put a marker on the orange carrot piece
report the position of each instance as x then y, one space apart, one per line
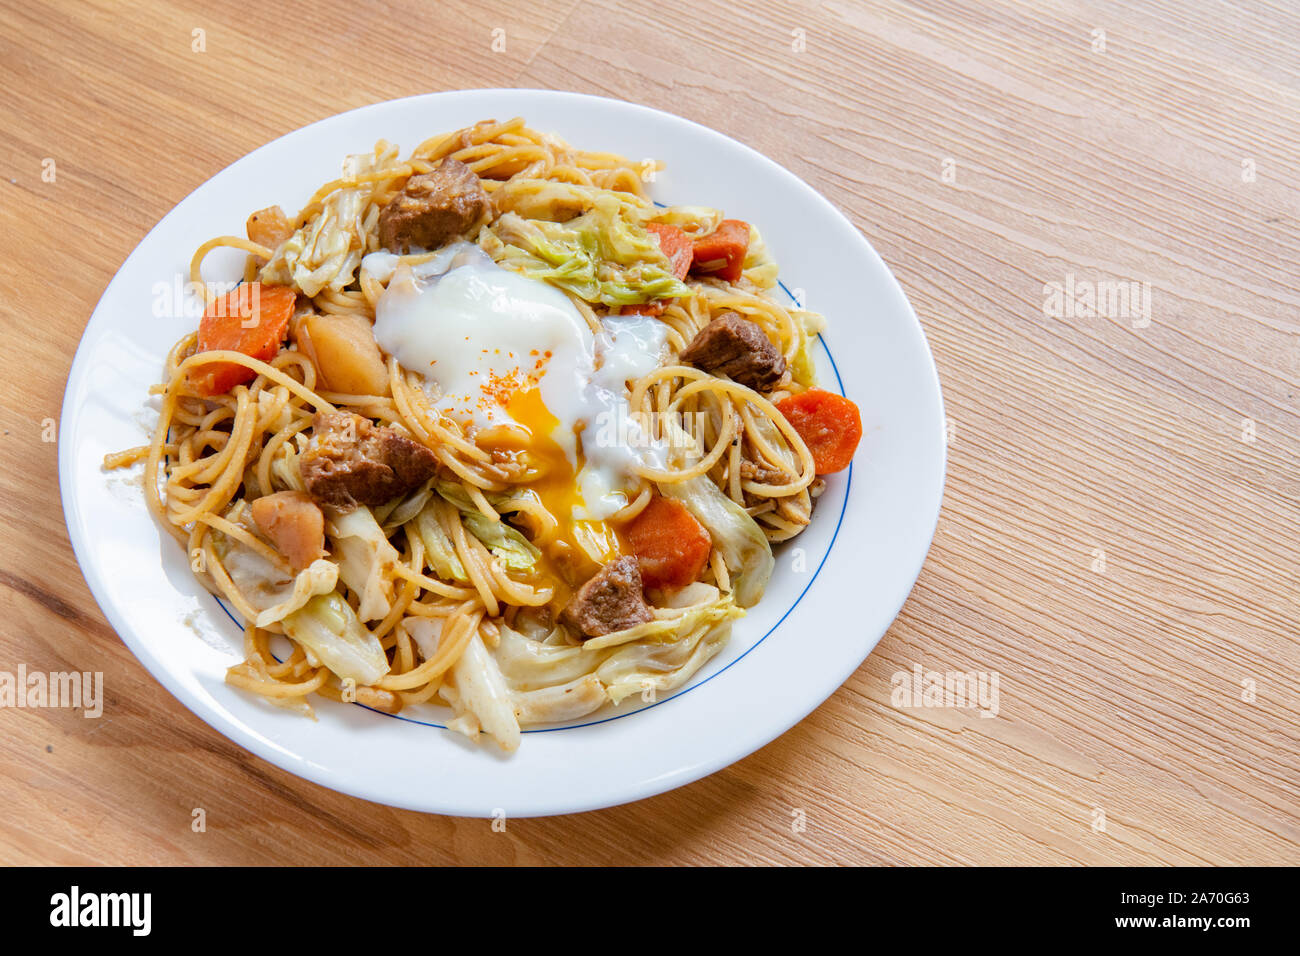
829 424
722 252
670 545
676 245
252 319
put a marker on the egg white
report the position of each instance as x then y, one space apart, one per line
484 337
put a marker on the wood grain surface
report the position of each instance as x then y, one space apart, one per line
1119 536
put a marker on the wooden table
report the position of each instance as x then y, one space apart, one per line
1119 536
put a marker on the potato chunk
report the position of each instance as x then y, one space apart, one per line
269 227
343 349
295 525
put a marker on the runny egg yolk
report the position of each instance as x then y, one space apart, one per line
555 483
515 363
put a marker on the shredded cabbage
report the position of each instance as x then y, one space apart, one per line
551 680
426 632
262 582
329 628
759 267
319 577
439 551
507 544
605 256
454 493
692 220
802 369
543 199
476 689
637 668
399 512
367 561
530 665
326 250
548 705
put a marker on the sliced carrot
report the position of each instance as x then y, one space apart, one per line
252 319
676 245
670 545
722 252
829 424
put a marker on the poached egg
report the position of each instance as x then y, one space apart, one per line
515 363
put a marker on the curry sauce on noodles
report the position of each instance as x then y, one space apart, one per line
498 585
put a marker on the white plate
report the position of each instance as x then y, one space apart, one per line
836 588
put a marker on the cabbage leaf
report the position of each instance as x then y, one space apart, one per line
605 256
367 561
507 543
328 627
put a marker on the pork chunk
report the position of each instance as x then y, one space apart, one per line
610 601
352 461
734 346
434 207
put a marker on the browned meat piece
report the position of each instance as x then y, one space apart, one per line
435 206
352 461
734 346
610 601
